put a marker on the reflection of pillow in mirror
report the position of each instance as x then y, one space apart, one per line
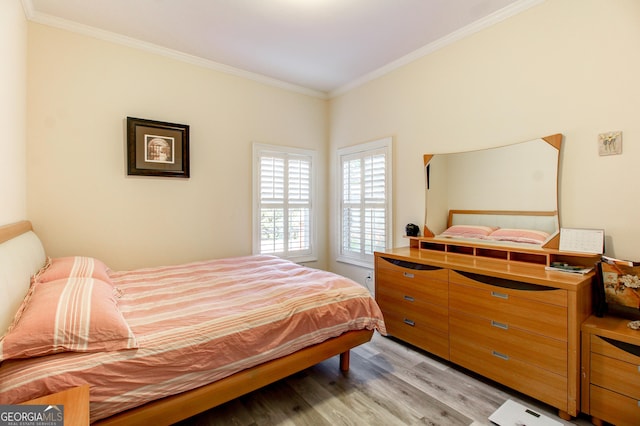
519 236
468 231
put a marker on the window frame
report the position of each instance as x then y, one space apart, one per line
363 150
260 150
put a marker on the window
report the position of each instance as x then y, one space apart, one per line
365 201
283 202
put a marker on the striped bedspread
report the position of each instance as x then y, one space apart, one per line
198 323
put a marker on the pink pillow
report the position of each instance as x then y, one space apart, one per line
68 315
519 235
72 266
468 231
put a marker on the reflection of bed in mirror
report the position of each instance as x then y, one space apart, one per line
537 228
509 187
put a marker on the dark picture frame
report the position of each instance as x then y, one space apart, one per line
157 148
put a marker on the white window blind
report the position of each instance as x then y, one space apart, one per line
283 201
365 201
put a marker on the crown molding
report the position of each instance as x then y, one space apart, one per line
89 31
447 40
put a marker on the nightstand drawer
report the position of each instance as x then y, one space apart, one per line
607 347
618 376
614 408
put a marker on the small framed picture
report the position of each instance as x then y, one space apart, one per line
610 143
157 148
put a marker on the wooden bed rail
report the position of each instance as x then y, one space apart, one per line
172 409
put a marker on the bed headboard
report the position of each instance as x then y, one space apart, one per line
21 256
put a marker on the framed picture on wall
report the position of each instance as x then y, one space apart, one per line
157 148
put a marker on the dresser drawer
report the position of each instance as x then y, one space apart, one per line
415 311
531 292
419 329
530 348
425 284
534 381
613 407
511 307
418 290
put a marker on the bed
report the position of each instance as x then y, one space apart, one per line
158 345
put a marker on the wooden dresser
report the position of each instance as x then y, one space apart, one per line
509 320
611 371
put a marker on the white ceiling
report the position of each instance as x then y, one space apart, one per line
319 46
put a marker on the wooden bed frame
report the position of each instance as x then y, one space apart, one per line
184 405
179 407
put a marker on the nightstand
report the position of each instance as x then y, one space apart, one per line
611 371
75 402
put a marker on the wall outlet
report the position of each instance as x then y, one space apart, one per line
368 281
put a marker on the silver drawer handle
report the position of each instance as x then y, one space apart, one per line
409 298
499 295
409 322
499 325
408 274
499 355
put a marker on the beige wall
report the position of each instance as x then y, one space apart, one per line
13 89
80 90
565 66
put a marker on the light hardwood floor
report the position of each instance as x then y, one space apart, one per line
389 383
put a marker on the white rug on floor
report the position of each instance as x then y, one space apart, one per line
512 413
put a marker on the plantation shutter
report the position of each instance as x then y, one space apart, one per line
285 203
364 204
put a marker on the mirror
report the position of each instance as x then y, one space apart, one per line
517 177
